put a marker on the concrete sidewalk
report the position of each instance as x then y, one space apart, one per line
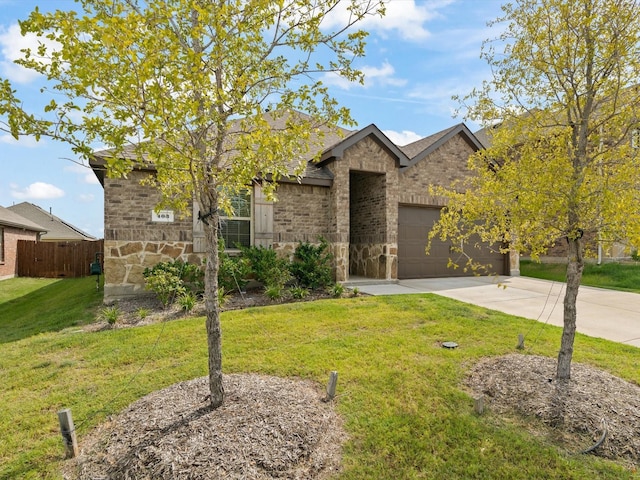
601 313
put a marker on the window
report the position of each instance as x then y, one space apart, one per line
236 230
1 244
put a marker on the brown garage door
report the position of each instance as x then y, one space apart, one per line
414 224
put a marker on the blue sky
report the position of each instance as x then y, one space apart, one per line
418 56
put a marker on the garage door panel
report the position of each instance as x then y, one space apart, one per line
414 224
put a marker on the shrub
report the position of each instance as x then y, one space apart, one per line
274 292
232 271
267 267
223 296
312 265
110 314
142 313
187 301
299 292
336 290
634 255
169 280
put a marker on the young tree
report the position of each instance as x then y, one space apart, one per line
185 85
561 113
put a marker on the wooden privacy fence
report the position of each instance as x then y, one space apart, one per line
57 259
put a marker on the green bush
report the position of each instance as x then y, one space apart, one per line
110 314
311 266
187 301
336 290
169 280
232 271
267 267
299 292
274 292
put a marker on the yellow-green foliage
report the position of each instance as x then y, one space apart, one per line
560 110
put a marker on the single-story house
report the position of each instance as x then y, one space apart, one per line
58 230
366 196
14 227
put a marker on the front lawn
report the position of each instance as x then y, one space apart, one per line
400 392
29 306
615 276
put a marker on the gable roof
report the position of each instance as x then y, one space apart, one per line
422 148
12 219
337 150
56 228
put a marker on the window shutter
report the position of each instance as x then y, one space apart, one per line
263 218
198 230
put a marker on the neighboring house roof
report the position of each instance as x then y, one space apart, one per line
12 219
56 228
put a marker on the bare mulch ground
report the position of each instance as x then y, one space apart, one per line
274 428
575 415
267 428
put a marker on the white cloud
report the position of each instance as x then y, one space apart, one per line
36 191
24 141
85 173
12 42
373 76
86 197
402 138
404 18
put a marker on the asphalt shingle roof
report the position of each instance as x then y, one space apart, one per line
12 219
56 228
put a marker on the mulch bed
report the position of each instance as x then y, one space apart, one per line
267 428
576 414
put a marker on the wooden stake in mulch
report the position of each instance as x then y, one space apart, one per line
478 404
68 432
331 387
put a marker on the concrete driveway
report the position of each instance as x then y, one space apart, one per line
601 313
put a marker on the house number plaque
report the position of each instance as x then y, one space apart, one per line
165 216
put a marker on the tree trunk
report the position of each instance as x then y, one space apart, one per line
575 266
214 331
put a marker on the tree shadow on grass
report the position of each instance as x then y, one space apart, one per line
54 307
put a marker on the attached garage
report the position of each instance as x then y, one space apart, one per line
414 224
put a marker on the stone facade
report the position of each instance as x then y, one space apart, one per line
133 240
125 262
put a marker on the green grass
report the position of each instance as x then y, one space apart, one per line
400 393
615 276
30 305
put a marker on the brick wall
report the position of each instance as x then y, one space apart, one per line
444 166
127 214
133 241
378 245
8 268
301 213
